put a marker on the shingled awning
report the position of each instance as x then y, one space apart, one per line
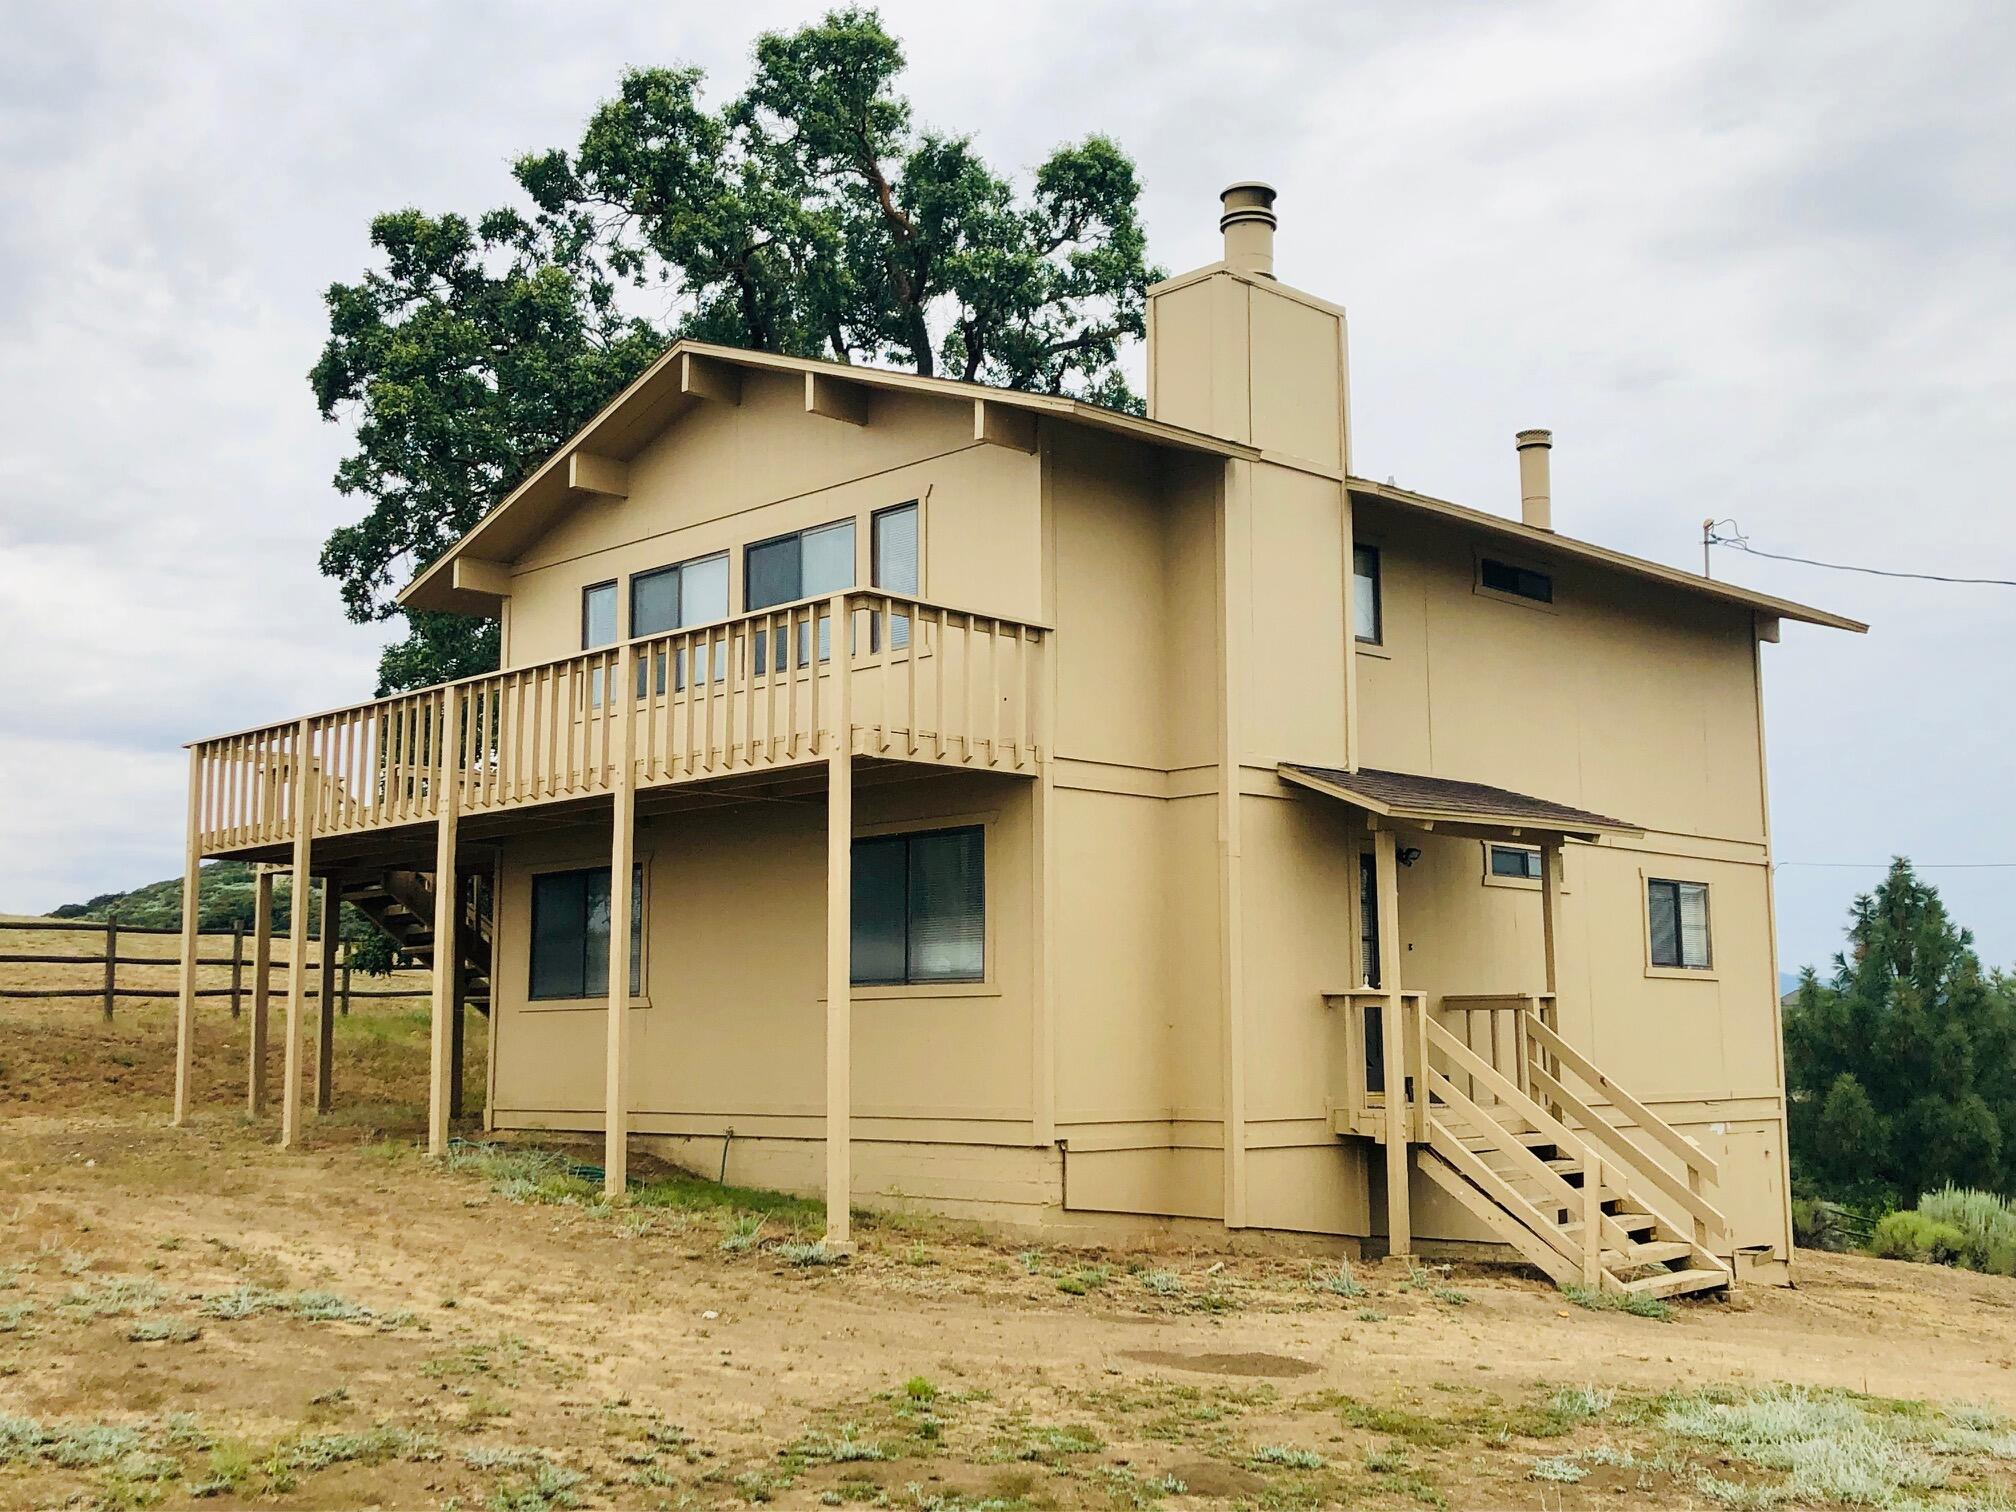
1432 800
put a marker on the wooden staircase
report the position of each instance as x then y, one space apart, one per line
1570 1170
401 903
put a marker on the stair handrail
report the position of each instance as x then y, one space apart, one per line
1691 1155
1704 1222
1570 1143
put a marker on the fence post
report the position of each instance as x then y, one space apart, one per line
237 962
111 962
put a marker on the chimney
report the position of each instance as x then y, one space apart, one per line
1536 505
1248 224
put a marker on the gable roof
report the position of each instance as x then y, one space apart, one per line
691 372
1427 800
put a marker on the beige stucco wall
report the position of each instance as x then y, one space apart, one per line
1165 915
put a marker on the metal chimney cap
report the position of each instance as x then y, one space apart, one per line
1528 438
1247 200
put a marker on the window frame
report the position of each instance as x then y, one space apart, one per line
1681 972
640 996
899 631
1378 636
682 677
1517 565
749 548
614 585
1529 881
987 983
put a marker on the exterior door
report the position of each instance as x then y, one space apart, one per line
1368 956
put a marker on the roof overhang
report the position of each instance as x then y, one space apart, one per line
1448 806
472 576
1547 542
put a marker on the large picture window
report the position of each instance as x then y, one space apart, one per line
802 565
920 908
570 933
1678 921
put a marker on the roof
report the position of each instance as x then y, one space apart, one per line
1429 800
688 374
1547 542
671 386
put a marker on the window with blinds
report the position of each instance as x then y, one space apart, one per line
920 908
802 565
893 534
672 598
1678 924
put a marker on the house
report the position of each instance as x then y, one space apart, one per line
1102 825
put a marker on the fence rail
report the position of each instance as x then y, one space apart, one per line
108 990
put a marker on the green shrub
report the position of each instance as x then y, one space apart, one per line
1910 1235
1986 1222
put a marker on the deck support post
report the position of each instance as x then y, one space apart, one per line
840 938
1394 1035
449 808
262 992
185 1008
1550 942
297 937
622 860
458 1017
325 1002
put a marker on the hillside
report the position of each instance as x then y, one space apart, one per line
226 895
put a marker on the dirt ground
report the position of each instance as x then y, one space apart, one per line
194 1316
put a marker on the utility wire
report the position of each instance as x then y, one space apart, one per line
1737 541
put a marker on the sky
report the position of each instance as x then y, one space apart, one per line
1749 262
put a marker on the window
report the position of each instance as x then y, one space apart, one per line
920 908
671 598
570 933
1515 861
598 615
802 565
1679 923
1520 582
1368 623
893 539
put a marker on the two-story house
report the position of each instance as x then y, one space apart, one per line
1088 823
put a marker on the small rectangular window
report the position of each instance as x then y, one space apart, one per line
920 908
893 541
1678 924
598 615
570 933
1515 861
1367 614
1521 582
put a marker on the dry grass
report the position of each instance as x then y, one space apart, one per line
195 1317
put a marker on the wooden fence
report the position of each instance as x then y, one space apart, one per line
109 989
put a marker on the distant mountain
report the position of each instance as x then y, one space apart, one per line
1788 982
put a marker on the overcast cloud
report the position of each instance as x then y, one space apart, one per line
1747 261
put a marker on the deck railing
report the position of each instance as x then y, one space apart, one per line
926 682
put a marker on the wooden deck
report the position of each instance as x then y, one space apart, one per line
750 701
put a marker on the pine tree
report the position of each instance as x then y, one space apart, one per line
1902 1070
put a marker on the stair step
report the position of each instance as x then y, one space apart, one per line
1631 1223
1659 1251
1677 1283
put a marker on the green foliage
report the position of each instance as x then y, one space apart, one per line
1952 1226
809 215
1902 1070
227 895
1638 1304
1912 1236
